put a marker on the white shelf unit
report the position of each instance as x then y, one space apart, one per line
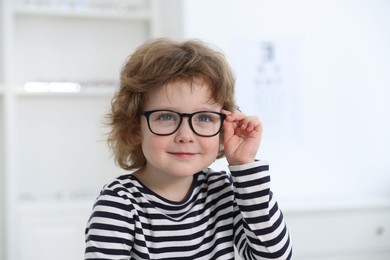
354 229
53 148
2 179
85 13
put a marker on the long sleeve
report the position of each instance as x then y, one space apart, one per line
110 231
260 229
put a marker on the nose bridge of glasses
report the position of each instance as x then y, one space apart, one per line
182 116
185 115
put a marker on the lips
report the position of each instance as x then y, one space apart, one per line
182 154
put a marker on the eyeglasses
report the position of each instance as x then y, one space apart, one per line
202 123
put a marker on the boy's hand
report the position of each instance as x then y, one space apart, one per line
242 137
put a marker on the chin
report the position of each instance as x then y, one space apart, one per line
183 171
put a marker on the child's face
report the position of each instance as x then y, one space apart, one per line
182 153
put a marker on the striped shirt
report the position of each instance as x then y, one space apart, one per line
222 210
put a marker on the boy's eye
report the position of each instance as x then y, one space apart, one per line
204 118
166 116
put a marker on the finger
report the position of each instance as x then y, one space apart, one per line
228 115
250 123
226 112
228 129
238 116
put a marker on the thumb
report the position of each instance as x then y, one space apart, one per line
228 131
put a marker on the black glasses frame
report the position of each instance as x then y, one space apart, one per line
181 115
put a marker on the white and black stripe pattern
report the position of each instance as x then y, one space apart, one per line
129 221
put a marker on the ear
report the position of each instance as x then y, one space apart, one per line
137 139
135 135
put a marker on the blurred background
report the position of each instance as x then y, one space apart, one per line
316 72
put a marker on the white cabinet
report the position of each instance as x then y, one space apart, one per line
347 233
66 155
51 231
341 230
2 179
53 149
52 44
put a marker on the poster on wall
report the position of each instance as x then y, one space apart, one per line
268 85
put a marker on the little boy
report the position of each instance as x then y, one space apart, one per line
173 115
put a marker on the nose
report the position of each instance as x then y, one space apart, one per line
184 134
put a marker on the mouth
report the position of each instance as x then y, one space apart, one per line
183 155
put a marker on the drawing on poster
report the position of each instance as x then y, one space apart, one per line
268 84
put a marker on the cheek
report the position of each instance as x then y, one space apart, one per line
149 141
211 144
149 148
146 138
153 146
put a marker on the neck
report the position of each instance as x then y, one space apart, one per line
174 188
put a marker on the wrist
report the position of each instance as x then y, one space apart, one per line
241 162
255 163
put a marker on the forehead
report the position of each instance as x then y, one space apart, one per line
180 92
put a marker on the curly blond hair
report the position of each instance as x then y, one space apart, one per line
155 64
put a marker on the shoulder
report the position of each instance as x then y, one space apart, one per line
123 189
120 184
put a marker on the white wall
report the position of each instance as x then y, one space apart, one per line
341 143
